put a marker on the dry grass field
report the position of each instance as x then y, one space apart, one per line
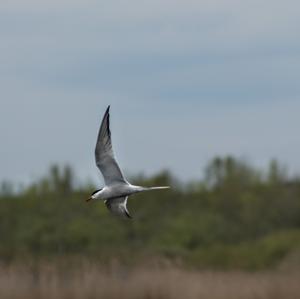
88 280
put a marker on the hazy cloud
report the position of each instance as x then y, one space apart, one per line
220 76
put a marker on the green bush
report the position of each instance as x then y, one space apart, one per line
237 217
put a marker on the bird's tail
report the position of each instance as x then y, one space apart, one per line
157 188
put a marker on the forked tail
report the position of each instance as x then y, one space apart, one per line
157 188
140 189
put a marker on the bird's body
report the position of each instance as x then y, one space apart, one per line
117 189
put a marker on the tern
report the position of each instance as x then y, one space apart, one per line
117 189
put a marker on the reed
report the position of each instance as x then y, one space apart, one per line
45 280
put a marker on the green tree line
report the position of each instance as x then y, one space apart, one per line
236 217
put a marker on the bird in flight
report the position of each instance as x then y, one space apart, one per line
117 189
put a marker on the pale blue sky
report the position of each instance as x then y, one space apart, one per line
186 80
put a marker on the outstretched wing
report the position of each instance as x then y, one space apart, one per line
104 155
117 206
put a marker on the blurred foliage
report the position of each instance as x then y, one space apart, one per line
237 217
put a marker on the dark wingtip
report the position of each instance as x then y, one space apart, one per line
107 110
128 215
